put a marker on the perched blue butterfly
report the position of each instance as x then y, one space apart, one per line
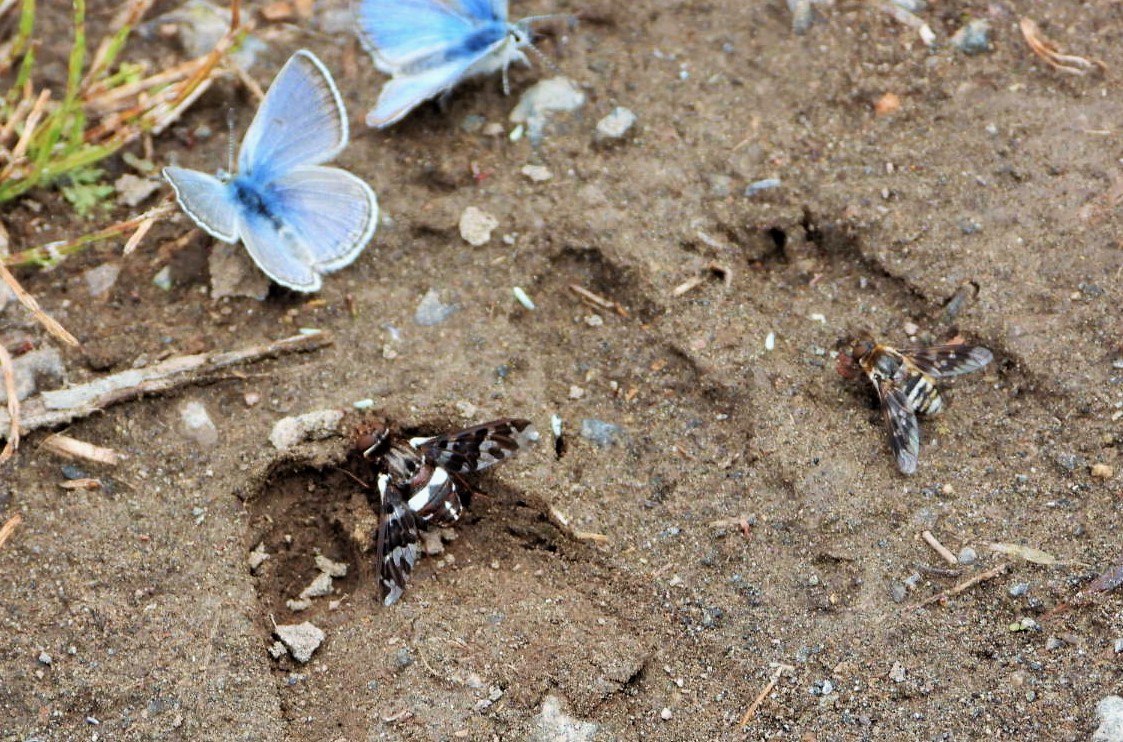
297 218
429 46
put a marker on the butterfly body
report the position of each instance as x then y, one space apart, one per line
430 46
297 217
906 386
422 485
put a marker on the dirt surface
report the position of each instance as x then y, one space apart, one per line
987 206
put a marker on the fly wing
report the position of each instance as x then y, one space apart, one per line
437 501
949 360
477 448
205 199
397 541
302 121
904 431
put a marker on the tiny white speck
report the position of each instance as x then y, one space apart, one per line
523 298
516 133
310 331
770 342
816 317
363 404
556 425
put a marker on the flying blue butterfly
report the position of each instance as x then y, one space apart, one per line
429 46
297 218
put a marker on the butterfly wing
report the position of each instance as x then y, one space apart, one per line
331 212
404 92
278 252
205 199
302 121
397 541
949 360
904 431
477 448
410 34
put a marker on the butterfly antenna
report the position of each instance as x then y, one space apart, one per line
230 139
541 55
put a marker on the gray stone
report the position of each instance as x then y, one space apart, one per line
972 38
35 371
554 725
1110 713
432 311
544 100
602 433
100 280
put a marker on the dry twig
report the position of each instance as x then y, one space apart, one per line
73 448
939 548
981 577
61 406
7 529
32 306
1049 52
598 301
779 671
13 406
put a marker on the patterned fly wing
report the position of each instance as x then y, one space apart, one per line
478 447
397 540
422 487
904 431
949 360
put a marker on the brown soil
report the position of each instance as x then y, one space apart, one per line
998 180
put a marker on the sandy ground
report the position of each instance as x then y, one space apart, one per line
997 181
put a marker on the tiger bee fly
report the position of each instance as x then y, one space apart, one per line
422 485
905 383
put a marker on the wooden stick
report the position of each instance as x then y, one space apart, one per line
13 406
61 406
10 526
939 548
73 448
981 577
764 693
32 306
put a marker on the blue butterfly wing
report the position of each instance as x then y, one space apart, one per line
404 92
302 121
207 200
331 212
403 34
278 252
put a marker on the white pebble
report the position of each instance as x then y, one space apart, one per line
476 226
537 173
666 714
523 298
311 426
615 126
300 639
197 424
770 342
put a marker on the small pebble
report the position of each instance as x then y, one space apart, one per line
967 556
163 278
466 409
1018 589
297 605
1102 471
257 557
1054 642
594 320
403 657
897 674
277 650
972 38
544 100
537 173
472 123
1110 713
431 311
45 659
476 226
363 404
614 127
197 424
603 434
666 714
576 392
132 190
762 185
328 567
318 588
1119 645
311 426
300 639
910 328
251 399
100 280
522 297
770 342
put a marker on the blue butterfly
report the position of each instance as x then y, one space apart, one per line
429 46
297 218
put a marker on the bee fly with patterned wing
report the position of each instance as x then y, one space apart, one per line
905 383
423 486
